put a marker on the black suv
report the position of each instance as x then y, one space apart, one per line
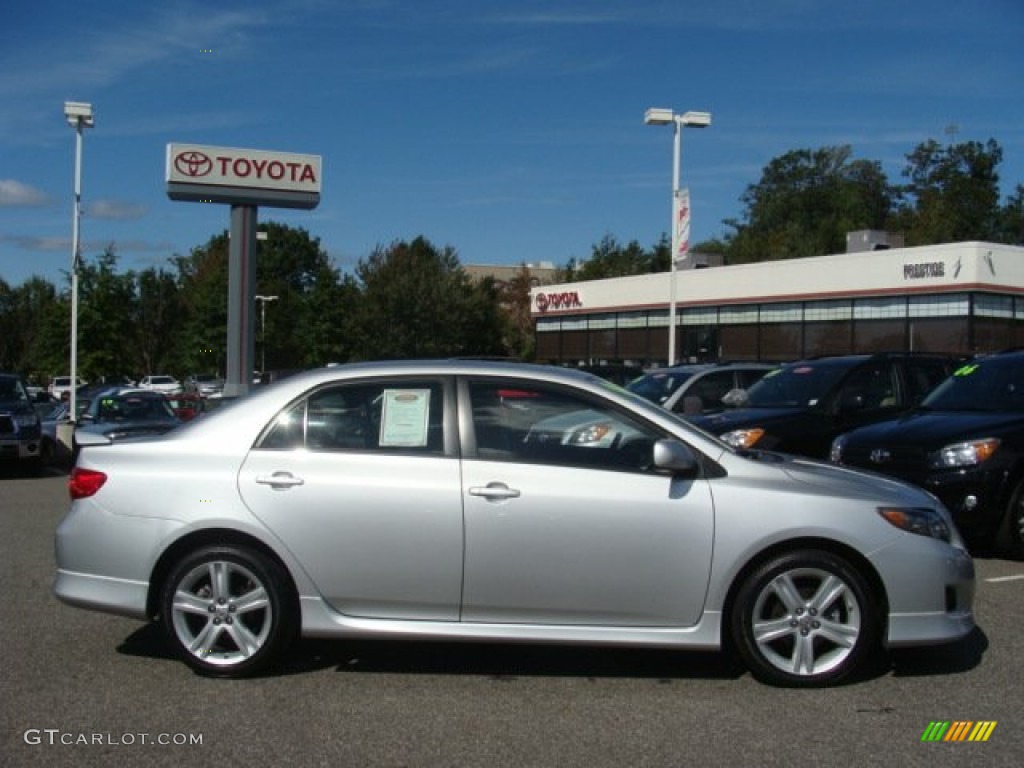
20 430
965 444
801 407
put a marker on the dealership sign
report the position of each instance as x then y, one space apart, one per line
205 174
563 300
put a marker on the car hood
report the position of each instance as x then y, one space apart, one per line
739 418
842 481
929 428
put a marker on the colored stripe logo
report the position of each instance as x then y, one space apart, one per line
958 730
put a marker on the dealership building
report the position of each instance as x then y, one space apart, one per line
958 298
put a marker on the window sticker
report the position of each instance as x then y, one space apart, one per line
966 370
404 418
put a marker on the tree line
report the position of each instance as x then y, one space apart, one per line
405 300
414 299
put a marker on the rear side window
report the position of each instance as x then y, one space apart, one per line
397 416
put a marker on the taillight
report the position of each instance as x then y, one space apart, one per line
83 483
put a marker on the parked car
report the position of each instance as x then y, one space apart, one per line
403 500
802 407
60 386
617 373
186 407
52 451
696 389
204 384
161 383
965 444
19 424
121 413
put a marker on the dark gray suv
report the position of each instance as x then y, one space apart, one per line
801 407
20 430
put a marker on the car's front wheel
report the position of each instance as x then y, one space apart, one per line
804 619
228 611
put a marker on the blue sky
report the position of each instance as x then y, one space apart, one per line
511 131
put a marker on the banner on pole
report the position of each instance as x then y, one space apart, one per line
682 219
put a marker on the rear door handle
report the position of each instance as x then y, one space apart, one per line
494 491
280 481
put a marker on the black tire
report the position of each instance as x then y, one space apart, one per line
805 619
1010 538
228 611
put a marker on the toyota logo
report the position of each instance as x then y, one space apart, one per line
193 164
880 456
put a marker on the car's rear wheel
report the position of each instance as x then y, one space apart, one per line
804 619
228 611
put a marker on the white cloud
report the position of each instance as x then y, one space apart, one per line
115 209
15 193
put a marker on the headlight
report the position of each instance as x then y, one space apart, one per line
835 454
590 435
967 454
26 419
920 520
743 438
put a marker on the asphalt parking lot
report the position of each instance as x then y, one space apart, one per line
84 689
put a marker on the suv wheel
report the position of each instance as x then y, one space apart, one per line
1011 534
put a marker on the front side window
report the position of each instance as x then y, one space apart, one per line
380 416
531 423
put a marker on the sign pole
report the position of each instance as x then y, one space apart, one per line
241 289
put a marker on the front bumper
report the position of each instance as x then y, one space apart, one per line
930 588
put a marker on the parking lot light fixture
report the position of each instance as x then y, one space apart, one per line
662 116
263 327
79 116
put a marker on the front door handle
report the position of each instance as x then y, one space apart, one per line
280 481
494 491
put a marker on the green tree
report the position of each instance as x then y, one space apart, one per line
158 322
609 258
202 279
952 194
805 204
417 301
106 306
1011 219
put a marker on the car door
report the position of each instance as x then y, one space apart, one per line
566 523
361 482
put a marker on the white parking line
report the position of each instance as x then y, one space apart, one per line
1018 577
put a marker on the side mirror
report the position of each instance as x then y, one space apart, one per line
676 457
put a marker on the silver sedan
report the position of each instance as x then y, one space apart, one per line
436 500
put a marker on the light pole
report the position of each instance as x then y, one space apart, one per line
657 116
263 327
79 117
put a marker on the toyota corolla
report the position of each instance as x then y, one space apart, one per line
414 500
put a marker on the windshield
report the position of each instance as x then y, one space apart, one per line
658 386
11 390
800 385
995 384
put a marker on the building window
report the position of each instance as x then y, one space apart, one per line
880 309
952 305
